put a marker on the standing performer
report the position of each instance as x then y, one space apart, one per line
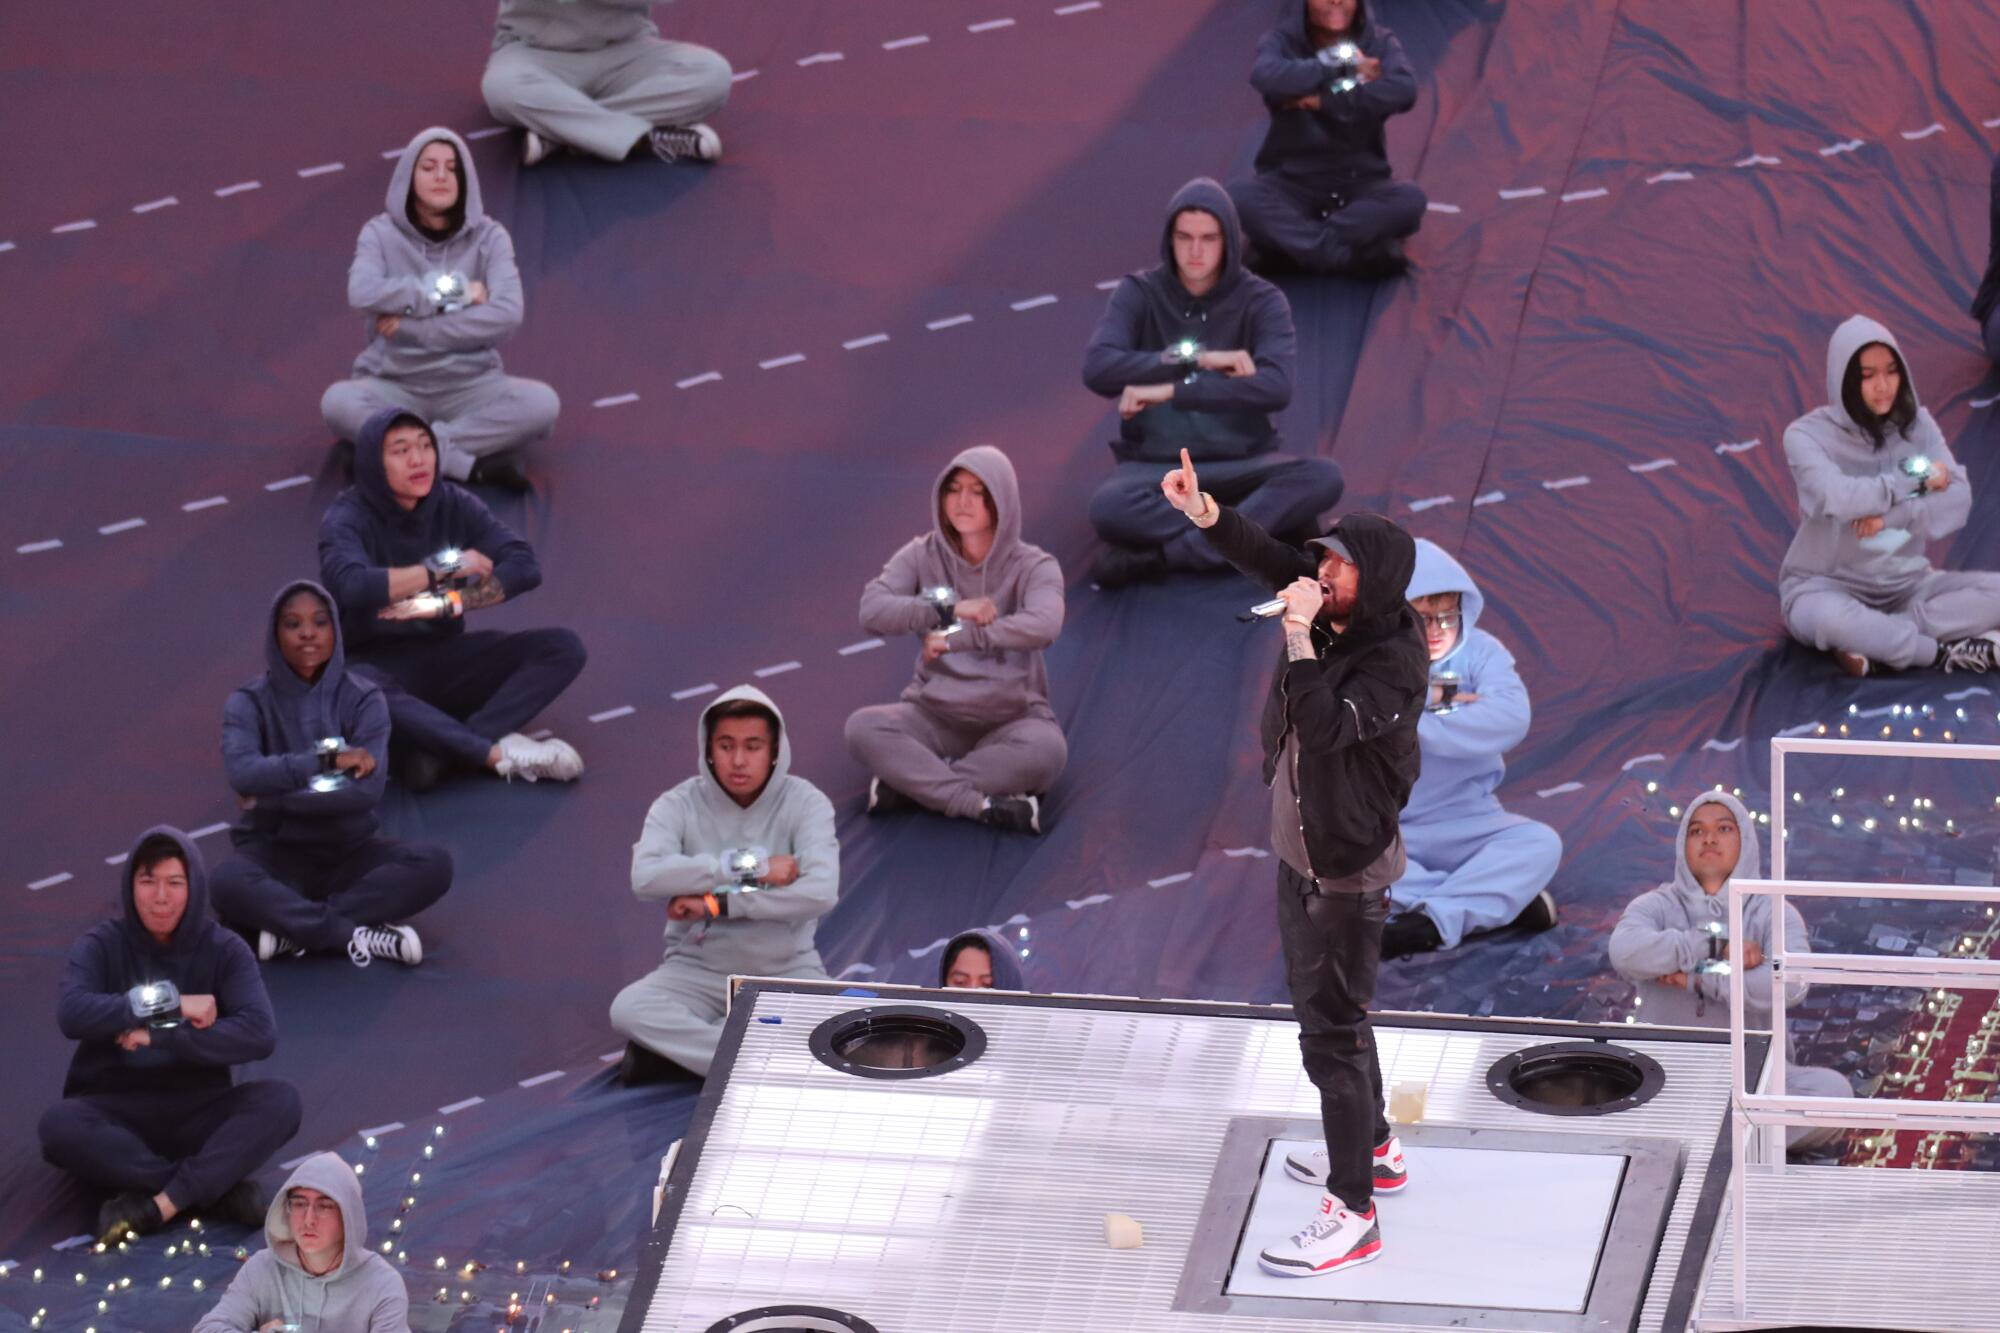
1340 756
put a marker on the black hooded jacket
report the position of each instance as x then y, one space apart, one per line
1989 286
1355 707
202 958
365 534
1213 416
1342 142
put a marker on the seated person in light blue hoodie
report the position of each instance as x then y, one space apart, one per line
311 871
1877 484
595 75
745 858
1670 943
315 1271
436 279
1472 866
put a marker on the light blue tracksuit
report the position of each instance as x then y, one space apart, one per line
1473 866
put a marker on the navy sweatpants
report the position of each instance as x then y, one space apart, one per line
316 896
456 696
1282 493
1325 230
193 1145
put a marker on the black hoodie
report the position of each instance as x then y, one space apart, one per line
202 958
1342 142
1355 707
1212 416
1989 286
365 534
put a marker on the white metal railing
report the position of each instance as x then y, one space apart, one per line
1772 1110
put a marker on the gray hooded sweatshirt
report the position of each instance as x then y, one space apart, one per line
993 673
365 1294
1842 476
765 931
394 269
1665 930
574 25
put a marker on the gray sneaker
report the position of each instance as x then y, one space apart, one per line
695 143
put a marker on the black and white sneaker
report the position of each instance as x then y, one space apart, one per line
398 944
1333 1240
1539 914
1974 654
271 946
1390 1172
1016 814
886 800
696 143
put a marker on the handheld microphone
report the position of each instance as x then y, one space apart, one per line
1264 610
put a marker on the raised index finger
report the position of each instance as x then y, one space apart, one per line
1187 469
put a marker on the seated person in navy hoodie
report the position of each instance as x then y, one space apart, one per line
1199 353
456 699
152 1114
1322 197
310 872
1986 303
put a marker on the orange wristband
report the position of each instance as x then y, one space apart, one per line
714 907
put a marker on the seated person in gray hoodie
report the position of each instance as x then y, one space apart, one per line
974 736
315 1270
1877 483
745 858
1199 352
980 960
311 871
151 1111
1671 943
1322 197
595 76
436 279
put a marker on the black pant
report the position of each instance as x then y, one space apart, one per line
1325 230
1333 946
193 1145
455 696
316 896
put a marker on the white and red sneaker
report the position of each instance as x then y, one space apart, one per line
1391 1175
1334 1240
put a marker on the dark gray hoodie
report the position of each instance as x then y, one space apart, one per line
393 271
269 728
365 1294
1341 142
994 673
1213 416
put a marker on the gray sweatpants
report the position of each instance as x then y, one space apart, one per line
490 415
676 1010
1947 604
952 767
604 102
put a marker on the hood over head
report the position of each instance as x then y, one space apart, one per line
396 201
1749 863
1006 961
314 703
996 474
1385 555
329 1174
194 921
371 478
1856 332
1437 571
1203 193
1295 20
780 766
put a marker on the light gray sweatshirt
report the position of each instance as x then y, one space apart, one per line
993 673
1665 930
1842 476
574 25
365 1294
394 269
766 931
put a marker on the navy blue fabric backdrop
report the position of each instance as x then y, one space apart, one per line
1646 219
